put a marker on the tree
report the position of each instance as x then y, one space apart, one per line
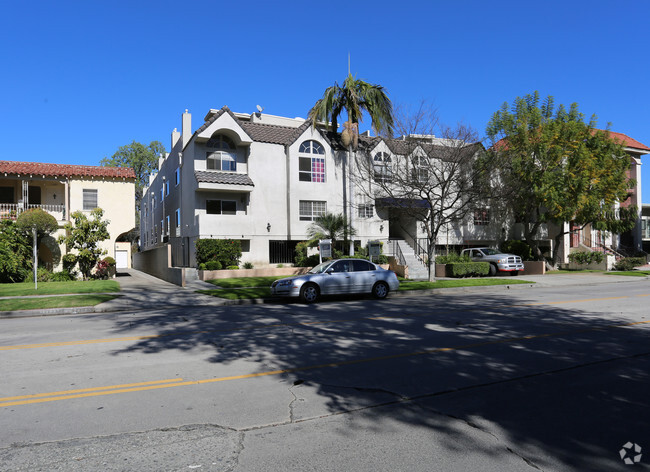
554 168
84 237
44 223
329 226
434 180
354 97
15 260
142 159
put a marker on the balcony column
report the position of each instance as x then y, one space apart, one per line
66 192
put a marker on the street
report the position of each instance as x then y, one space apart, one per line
551 378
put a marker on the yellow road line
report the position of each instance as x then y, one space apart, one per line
143 386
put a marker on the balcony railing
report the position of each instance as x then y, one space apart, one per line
12 210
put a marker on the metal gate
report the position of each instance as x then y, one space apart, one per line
282 252
180 251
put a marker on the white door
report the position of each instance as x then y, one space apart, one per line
122 259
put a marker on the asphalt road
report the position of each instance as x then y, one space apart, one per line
553 379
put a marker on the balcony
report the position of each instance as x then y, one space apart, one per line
10 211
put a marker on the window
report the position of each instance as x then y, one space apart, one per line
382 167
224 158
366 210
311 167
482 217
362 266
153 201
178 217
220 207
167 222
162 192
166 186
89 199
310 210
420 169
177 176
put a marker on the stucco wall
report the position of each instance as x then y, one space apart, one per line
157 262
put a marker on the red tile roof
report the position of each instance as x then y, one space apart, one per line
64 170
626 141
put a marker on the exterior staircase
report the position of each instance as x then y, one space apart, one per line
417 270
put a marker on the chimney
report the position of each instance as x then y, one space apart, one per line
187 128
175 137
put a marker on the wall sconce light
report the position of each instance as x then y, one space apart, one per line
381 228
268 227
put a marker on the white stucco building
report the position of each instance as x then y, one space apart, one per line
261 179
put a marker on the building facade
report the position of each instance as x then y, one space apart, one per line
63 189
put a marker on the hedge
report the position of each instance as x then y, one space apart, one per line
467 269
226 251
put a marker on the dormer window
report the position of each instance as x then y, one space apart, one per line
311 162
382 167
221 154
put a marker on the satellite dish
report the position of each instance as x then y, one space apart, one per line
259 108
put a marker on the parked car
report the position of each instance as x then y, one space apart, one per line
499 262
339 276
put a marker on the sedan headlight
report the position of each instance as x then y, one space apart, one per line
285 282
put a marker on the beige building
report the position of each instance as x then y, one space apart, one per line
63 189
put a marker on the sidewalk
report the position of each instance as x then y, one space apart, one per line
141 291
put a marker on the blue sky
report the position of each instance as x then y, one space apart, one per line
81 78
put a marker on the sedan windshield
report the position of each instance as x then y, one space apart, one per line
320 268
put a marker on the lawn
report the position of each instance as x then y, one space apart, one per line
58 288
632 273
35 303
242 288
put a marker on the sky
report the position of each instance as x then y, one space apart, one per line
82 78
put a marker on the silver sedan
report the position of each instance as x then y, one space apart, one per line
339 276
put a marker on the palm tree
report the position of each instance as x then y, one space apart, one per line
354 97
328 226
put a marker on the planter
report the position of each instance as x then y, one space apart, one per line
534 268
267 272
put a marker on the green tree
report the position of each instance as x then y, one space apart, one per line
15 254
84 237
329 226
142 159
44 223
354 98
553 168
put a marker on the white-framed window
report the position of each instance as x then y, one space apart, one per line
366 210
89 199
220 207
420 168
311 162
482 217
310 210
221 155
382 167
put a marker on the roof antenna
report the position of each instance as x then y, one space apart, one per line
259 110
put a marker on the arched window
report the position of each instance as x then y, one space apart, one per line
221 154
382 166
311 162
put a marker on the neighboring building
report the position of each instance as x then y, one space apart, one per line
261 179
63 189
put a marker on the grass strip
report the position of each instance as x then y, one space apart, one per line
59 288
244 282
239 293
631 273
14 304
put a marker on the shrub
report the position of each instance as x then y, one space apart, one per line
102 270
232 267
212 265
226 251
451 258
110 261
202 266
583 257
629 263
43 275
518 248
69 261
467 269
62 276
248 265
280 266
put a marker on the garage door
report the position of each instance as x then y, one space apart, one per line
122 259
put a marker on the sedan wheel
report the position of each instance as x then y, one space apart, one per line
309 293
380 290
